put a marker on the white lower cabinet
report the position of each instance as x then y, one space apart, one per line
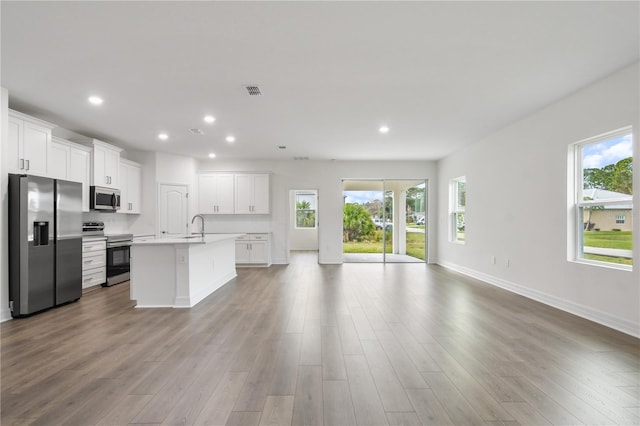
94 261
253 249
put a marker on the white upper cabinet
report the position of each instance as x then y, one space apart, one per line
28 144
130 176
215 193
106 165
70 161
80 171
58 159
233 193
252 193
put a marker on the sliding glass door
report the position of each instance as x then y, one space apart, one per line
384 221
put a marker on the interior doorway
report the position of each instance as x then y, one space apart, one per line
385 221
303 226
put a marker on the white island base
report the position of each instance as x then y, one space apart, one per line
180 272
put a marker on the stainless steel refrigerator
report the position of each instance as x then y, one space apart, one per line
45 243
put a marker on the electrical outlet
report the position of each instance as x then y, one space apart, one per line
182 259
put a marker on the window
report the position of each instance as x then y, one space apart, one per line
306 210
603 199
458 201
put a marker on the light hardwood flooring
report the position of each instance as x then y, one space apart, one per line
305 344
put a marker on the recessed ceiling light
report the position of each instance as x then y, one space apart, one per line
209 119
95 100
230 139
384 129
163 136
212 155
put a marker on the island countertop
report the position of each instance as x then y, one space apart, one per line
191 239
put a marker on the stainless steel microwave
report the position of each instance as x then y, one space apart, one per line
104 199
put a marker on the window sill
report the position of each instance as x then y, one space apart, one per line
608 265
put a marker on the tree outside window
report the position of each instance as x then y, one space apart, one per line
306 210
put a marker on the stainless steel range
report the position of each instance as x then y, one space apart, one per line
118 258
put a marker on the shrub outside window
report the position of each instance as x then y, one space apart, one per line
603 199
458 204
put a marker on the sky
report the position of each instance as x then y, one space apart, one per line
361 197
606 152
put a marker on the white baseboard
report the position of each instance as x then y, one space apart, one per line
606 319
5 314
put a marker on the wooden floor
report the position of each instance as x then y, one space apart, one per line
357 344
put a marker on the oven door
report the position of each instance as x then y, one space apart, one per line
118 262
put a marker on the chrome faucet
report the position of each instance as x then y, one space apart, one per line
202 223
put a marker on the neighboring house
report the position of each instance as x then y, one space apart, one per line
607 218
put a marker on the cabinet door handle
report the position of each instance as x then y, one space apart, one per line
22 164
27 161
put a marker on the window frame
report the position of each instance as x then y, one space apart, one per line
578 204
456 209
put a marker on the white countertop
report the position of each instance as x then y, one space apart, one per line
193 239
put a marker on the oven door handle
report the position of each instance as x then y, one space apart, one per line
120 244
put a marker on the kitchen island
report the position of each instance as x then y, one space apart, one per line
180 272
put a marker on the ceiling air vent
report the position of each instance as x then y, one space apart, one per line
300 158
253 90
196 131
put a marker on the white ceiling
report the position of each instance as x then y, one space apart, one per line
441 75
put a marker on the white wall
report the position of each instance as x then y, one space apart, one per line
5 313
326 176
517 206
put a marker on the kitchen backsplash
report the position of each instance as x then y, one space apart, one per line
113 223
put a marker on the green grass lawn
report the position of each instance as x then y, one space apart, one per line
608 239
415 246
